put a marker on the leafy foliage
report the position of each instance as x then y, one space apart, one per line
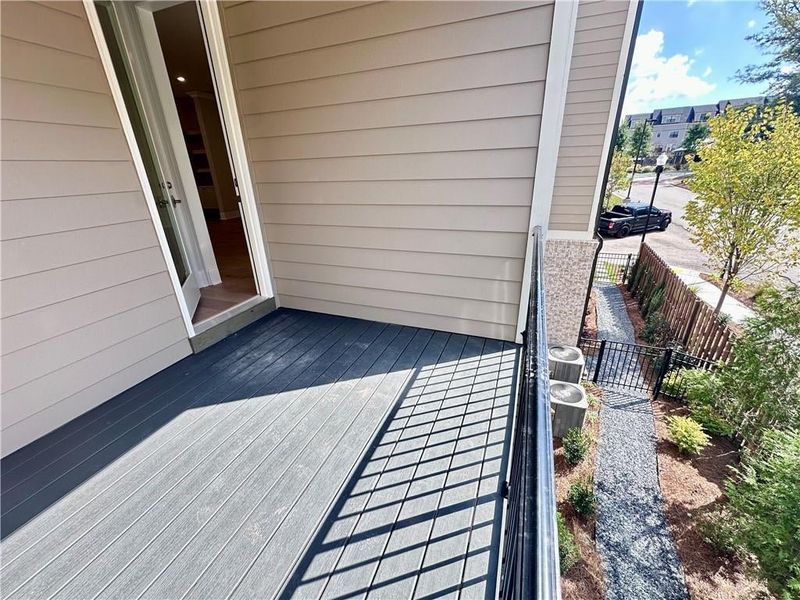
639 144
623 139
764 509
617 177
694 136
703 390
687 434
746 216
576 445
581 496
759 389
656 330
568 553
654 303
778 39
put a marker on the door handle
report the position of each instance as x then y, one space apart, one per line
168 188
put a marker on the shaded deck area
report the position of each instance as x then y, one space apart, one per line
307 456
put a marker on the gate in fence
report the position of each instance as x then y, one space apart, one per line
638 367
614 268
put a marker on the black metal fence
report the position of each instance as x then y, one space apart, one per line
614 268
529 568
639 367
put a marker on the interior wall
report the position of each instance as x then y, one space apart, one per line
393 146
88 309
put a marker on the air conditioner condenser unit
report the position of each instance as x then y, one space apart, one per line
569 404
566 363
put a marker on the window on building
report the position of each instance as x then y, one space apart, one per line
671 119
673 134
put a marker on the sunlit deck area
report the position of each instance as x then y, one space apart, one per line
306 456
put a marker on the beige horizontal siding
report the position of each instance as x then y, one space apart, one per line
595 61
87 306
513 100
393 146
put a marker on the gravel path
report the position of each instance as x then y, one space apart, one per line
633 540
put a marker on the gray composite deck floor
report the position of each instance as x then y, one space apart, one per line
306 456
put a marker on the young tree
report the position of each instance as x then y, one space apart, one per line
694 135
639 145
746 216
779 39
617 176
623 137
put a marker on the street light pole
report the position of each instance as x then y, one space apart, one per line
660 162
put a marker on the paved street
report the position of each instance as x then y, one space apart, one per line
673 245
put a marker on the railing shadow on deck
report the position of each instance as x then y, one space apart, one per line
39 475
380 546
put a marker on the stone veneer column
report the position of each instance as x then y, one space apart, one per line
568 264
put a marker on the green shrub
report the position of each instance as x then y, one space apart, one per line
568 553
656 330
581 496
764 509
653 305
701 389
576 445
760 385
687 434
673 383
715 529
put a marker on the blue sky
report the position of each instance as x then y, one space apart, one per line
688 51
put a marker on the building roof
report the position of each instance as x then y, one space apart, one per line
685 111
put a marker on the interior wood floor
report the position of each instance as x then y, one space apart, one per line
306 456
233 261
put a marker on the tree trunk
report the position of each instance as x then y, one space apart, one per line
726 284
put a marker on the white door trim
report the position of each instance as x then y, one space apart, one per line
154 60
565 16
127 128
218 60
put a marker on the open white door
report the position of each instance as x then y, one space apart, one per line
158 177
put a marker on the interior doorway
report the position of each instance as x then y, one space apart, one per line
182 45
158 52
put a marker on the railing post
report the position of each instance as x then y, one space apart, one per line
599 361
662 372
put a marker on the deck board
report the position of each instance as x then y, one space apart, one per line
308 455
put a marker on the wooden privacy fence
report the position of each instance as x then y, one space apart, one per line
692 322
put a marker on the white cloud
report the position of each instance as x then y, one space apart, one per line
707 72
690 2
751 23
657 80
699 51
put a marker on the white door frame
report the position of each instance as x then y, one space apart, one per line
203 253
230 117
211 23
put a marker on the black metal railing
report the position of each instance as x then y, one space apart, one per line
529 568
614 268
639 367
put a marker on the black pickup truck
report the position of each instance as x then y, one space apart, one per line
625 219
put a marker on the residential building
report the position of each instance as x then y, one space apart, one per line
671 124
173 172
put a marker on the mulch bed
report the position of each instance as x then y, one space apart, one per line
585 580
692 488
633 313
